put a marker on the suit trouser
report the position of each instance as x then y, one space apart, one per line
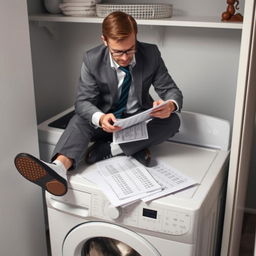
79 133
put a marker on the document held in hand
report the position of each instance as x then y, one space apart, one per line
138 118
134 127
133 133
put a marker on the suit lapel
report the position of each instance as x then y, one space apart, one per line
137 77
111 77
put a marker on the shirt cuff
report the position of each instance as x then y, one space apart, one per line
96 118
176 104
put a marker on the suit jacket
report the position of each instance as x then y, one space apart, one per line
97 90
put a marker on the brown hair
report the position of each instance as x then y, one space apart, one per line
118 26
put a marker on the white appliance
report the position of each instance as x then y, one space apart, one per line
188 223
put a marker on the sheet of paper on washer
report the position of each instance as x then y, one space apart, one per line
170 179
115 182
122 179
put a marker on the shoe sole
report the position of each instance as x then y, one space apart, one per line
39 173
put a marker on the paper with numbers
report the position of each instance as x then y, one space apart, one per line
138 118
170 179
122 179
127 178
133 133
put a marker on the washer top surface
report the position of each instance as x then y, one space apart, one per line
201 164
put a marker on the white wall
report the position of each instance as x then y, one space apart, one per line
22 230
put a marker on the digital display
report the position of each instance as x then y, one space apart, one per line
149 213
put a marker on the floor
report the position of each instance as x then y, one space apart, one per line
248 235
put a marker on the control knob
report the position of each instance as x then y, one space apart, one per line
112 211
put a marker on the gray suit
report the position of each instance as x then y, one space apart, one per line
97 91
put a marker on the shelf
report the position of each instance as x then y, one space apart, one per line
175 21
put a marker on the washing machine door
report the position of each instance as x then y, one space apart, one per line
77 239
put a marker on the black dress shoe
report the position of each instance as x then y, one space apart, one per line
97 152
41 174
144 157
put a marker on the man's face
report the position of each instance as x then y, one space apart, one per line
122 51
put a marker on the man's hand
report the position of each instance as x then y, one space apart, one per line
164 111
106 123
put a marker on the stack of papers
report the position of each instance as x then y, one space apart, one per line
123 180
134 128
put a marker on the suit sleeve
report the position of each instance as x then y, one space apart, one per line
87 93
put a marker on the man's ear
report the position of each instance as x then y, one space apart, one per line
104 40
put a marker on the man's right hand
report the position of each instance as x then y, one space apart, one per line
107 121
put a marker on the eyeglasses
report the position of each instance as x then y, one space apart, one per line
120 53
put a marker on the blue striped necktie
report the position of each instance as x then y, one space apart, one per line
125 87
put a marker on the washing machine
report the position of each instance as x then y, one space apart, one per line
186 223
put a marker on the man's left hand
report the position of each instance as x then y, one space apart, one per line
164 111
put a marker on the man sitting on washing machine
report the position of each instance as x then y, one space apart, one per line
114 83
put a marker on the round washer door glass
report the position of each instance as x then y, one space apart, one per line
75 243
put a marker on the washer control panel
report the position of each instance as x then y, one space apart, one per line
158 219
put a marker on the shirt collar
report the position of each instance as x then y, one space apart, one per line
114 65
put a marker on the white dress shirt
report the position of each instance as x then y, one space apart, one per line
132 102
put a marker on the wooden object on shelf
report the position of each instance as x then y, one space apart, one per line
229 14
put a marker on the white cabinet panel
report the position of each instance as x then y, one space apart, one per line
22 222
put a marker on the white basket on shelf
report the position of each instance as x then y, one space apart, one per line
138 11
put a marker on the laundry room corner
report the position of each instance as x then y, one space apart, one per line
211 60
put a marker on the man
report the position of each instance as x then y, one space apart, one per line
114 83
